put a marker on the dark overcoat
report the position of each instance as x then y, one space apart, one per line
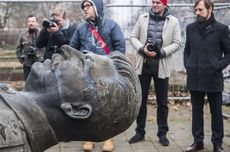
205 56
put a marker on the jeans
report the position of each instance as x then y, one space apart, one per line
161 88
26 71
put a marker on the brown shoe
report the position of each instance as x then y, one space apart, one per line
108 145
88 146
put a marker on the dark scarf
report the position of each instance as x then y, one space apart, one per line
204 26
31 31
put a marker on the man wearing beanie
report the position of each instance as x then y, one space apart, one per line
155 37
165 2
206 54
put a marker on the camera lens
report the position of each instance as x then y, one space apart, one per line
47 23
150 47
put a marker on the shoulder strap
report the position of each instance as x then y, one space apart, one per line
99 39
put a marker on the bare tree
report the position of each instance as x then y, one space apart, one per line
6 11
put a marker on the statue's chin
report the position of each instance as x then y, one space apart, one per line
77 111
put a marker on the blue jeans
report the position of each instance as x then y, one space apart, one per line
26 71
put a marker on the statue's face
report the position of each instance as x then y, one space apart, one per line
74 76
103 89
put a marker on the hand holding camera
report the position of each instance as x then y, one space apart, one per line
21 59
51 25
152 48
31 50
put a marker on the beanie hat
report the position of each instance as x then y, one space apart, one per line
165 2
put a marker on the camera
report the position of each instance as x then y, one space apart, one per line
31 50
49 23
55 49
152 46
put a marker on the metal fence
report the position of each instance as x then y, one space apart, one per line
126 16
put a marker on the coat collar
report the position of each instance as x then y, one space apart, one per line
214 27
206 27
147 16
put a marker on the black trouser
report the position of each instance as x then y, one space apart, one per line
26 71
215 102
161 88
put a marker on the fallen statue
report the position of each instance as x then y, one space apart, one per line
73 97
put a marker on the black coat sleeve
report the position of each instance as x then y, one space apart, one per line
62 37
187 48
225 46
42 39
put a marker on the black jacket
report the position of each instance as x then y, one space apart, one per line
54 40
206 54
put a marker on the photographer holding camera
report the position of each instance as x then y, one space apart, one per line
56 32
156 36
26 50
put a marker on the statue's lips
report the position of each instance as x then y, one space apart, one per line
48 62
40 69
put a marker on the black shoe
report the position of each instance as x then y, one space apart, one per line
136 138
218 149
195 147
163 140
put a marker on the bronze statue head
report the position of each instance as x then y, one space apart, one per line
86 96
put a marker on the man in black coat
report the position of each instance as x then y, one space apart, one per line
206 54
56 32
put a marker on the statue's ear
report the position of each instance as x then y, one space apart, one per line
79 111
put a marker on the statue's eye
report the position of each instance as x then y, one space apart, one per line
80 63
